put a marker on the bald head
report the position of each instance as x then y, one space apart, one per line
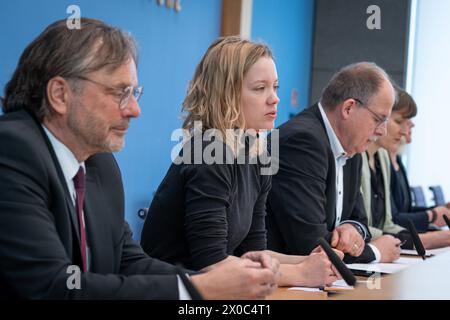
358 102
362 80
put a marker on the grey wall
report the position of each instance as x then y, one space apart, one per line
342 37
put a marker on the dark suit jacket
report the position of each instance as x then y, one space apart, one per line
39 236
402 209
302 202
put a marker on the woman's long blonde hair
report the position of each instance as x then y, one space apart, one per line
214 94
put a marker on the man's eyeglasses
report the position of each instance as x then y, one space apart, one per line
124 94
381 120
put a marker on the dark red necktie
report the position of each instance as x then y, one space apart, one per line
79 182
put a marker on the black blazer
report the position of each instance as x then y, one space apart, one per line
39 236
202 213
302 202
402 209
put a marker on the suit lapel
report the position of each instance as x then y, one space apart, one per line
62 180
330 206
316 111
403 176
99 235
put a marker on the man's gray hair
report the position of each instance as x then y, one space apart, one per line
360 81
60 51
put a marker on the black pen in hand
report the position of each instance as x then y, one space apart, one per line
400 243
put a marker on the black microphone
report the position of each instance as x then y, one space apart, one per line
345 272
190 288
415 238
447 220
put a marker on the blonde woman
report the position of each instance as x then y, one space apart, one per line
207 212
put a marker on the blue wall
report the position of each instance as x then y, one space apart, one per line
171 44
287 27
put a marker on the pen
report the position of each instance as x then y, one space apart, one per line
401 243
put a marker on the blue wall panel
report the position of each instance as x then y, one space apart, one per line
287 27
171 44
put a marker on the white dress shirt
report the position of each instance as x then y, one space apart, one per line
70 166
340 158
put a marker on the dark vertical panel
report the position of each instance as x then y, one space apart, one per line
342 37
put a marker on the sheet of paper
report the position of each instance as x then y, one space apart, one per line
429 253
338 285
306 289
406 261
412 252
394 267
438 251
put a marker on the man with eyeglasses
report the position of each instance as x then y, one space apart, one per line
63 235
316 192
